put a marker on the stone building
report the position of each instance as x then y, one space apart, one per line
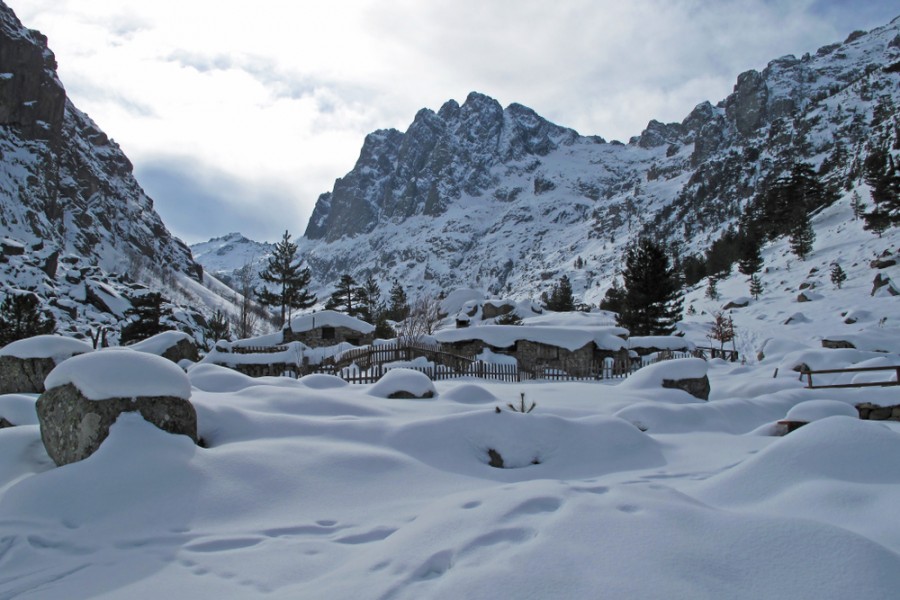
328 328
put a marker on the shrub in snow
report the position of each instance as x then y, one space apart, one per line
403 383
25 364
86 394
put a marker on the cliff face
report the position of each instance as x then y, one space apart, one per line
62 180
502 199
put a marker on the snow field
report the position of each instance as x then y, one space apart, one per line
316 488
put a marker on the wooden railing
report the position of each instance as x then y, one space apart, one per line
708 352
808 373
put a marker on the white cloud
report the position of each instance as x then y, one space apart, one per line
280 95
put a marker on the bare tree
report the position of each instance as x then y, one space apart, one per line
247 316
424 316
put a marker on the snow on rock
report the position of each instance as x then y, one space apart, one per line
661 342
329 318
457 300
872 340
215 378
503 336
121 373
322 381
56 347
160 343
531 445
653 376
403 383
470 393
814 410
18 409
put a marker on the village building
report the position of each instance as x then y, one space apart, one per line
328 328
576 351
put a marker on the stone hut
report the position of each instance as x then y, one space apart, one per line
24 364
576 351
328 328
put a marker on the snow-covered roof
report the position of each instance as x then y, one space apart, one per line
576 319
120 373
329 318
570 338
161 342
292 354
56 347
663 342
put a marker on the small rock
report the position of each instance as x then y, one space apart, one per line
4 423
697 387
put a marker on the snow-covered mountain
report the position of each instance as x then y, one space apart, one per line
224 256
501 199
75 226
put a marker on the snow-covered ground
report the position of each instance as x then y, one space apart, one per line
318 489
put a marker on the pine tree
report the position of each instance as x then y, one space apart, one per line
368 297
345 297
859 210
561 298
399 304
838 276
21 317
614 298
290 281
651 304
217 328
145 314
882 175
712 289
756 286
750 261
802 237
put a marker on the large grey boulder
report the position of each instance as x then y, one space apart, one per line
172 345
698 387
24 364
86 394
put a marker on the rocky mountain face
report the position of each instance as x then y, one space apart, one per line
501 199
72 216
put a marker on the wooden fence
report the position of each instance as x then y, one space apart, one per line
708 352
809 375
378 355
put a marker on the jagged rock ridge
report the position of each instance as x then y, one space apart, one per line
506 201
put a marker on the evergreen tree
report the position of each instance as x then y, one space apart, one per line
756 286
838 276
859 210
399 304
651 304
561 298
290 281
751 260
614 298
802 237
712 289
217 328
21 317
371 306
882 175
145 313
345 297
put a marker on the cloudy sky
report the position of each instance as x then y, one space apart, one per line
238 114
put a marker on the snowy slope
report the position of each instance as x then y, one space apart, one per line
475 195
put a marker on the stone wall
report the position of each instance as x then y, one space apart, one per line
872 412
24 375
314 338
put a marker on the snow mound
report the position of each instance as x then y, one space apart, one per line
161 342
329 318
214 378
838 449
400 381
457 299
18 409
56 347
121 373
774 349
322 381
652 376
872 340
532 446
469 393
814 410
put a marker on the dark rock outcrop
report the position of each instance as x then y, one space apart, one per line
73 427
697 387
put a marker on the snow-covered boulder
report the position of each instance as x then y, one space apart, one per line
403 383
173 345
688 374
86 394
24 364
815 410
